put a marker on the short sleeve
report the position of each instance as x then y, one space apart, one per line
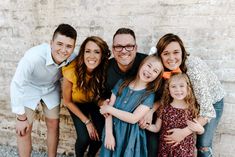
69 72
149 100
116 87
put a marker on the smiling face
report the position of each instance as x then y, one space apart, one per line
150 70
92 56
62 47
178 88
124 50
172 56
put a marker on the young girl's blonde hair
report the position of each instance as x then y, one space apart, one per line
189 99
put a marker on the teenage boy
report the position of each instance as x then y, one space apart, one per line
37 81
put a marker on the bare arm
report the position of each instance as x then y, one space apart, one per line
102 102
108 120
128 117
202 120
177 135
155 106
155 127
67 96
195 126
109 141
147 119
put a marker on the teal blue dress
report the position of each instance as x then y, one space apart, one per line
130 138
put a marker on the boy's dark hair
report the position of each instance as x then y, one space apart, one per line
67 30
124 31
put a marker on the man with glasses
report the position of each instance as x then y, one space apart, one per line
126 60
125 64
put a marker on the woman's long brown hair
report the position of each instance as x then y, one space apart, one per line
98 77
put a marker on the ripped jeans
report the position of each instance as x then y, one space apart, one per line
205 140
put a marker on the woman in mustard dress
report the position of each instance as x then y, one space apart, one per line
84 80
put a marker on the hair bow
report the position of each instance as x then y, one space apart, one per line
167 74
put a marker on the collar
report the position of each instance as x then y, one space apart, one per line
50 61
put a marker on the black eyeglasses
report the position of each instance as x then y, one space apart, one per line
119 48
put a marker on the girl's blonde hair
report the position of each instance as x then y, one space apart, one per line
189 99
151 86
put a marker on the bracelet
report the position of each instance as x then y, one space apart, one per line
87 122
21 119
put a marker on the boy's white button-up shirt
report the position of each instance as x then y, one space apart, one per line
37 77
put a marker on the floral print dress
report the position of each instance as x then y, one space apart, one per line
175 118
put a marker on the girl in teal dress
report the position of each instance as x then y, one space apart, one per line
130 101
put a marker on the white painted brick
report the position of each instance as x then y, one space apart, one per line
205 26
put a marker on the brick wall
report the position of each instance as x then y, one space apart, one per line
206 26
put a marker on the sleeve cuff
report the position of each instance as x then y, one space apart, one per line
18 110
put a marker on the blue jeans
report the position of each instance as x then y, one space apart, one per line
83 140
205 140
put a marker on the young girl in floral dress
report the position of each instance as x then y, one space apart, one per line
178 109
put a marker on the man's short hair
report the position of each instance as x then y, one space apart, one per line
125 31
67 30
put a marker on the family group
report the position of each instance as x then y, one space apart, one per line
167 104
